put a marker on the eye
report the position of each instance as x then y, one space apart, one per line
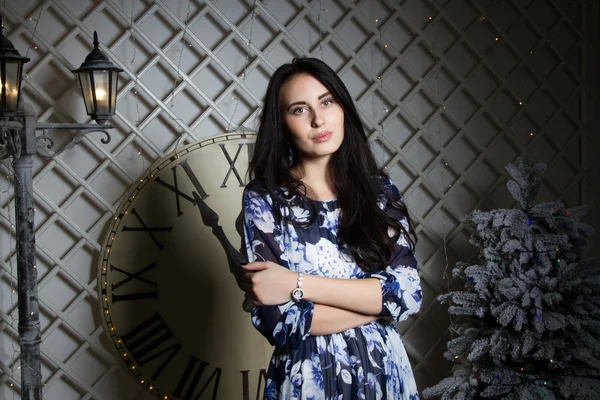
298 111
328 102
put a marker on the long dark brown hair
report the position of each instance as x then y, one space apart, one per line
363 225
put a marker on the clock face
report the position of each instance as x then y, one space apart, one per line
170 301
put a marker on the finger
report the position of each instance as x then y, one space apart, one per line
255 266
248 277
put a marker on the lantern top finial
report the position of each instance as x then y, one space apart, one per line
97 60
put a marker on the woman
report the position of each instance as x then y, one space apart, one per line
328 238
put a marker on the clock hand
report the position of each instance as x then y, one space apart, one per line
235 259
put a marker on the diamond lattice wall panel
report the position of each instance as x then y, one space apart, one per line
449 91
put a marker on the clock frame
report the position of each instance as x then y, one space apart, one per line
169 277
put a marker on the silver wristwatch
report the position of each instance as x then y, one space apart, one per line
298 293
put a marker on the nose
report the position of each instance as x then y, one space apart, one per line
317 119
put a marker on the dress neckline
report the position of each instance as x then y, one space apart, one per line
325 201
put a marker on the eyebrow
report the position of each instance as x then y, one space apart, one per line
303 102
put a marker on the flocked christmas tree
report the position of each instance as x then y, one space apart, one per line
528 324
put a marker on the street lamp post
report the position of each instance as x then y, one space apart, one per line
18 126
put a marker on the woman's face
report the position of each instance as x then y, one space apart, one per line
315 121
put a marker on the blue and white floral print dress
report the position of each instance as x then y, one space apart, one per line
367 362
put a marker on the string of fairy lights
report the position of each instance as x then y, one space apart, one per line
135 86
445 186
443 166
380 78
178 77
244 74
320 29
511 137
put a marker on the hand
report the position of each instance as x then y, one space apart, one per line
270 283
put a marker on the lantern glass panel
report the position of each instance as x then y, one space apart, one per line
114 76
102 87
86 89
11 84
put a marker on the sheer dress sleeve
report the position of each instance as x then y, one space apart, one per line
400 282
285 325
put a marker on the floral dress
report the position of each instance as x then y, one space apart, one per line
367 362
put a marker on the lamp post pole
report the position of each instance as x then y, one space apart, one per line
29 318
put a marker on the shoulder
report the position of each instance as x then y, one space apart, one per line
386 188
255 187
256 192
256 204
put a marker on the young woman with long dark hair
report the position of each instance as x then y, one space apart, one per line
330 246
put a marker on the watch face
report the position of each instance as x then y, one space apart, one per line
169 297
298 294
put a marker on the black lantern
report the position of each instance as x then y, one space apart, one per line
98 79
11 72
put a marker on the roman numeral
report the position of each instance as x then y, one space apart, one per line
145 228
199 367
148 341
262 375
175 187
231 162
194 179
138 276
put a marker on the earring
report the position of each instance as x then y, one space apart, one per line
290 156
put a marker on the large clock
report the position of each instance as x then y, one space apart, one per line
167 277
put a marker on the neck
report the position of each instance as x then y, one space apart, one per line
314 173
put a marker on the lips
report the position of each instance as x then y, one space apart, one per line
322 137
